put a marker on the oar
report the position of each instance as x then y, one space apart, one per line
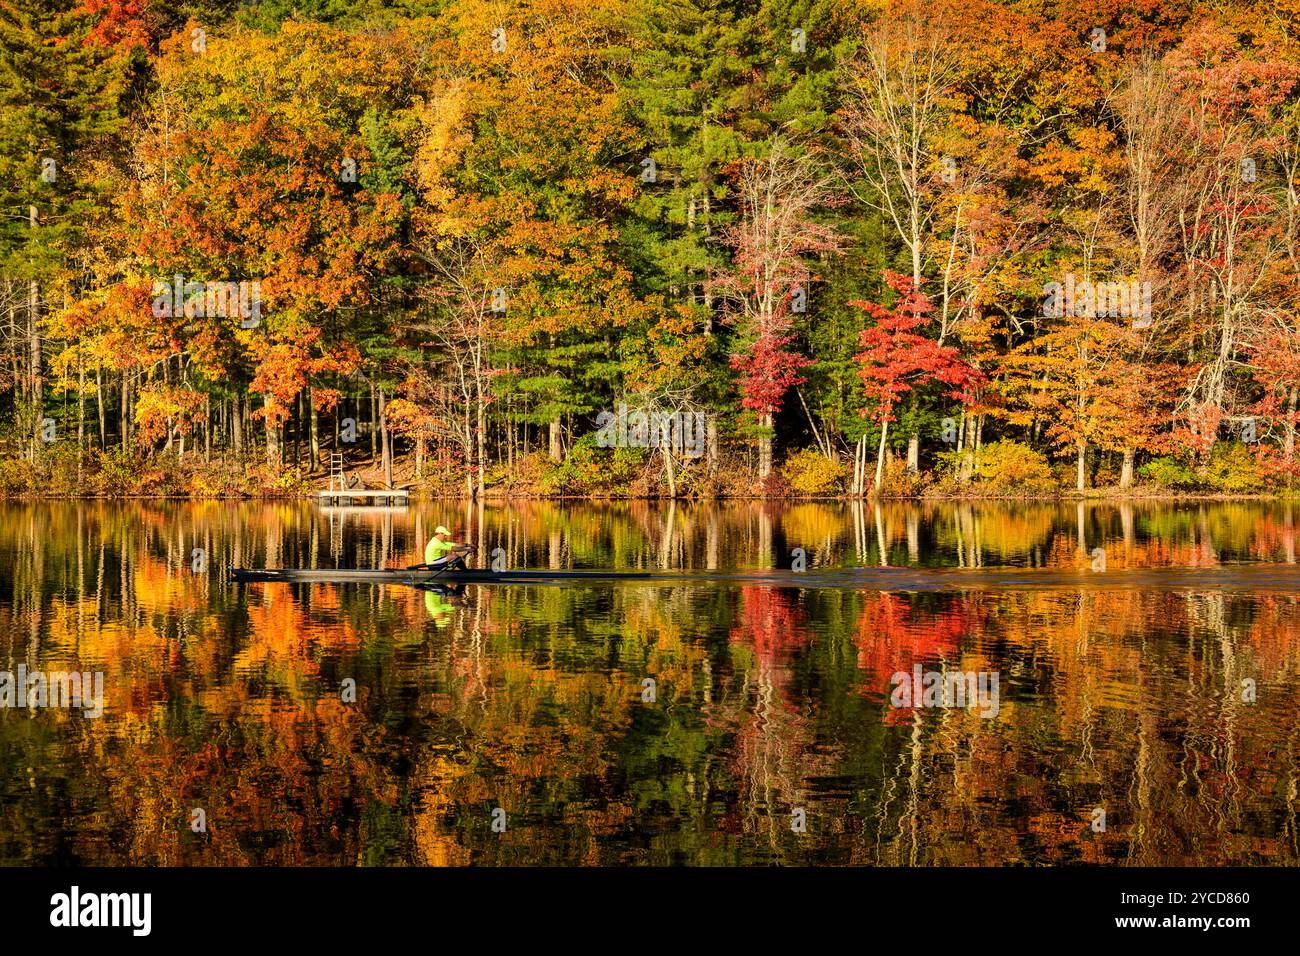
427 567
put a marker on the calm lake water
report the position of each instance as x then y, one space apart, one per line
1121 689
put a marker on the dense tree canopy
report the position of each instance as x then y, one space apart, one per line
462 230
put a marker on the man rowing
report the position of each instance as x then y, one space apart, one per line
441 551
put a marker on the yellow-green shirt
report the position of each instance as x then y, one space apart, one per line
435 549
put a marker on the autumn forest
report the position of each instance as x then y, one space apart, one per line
774 247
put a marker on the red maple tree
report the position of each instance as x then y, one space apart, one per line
895 358
770 369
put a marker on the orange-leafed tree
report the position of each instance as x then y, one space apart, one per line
1081 385
242 176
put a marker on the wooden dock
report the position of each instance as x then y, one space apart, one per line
338 493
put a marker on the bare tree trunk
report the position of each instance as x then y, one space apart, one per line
124 417
823 444
509 429
374 422
481 444
385 440
853 480
966 442
669 472
467 446
880 458
296 413
1126 469
765 447
556 452
1288 447
273 456
237 427
81 417
315 430
1080 482
99 404
34 360
860 465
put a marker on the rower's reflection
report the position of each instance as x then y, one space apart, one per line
439 602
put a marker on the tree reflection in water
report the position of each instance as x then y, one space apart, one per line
767 699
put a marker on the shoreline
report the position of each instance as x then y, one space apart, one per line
1066 498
